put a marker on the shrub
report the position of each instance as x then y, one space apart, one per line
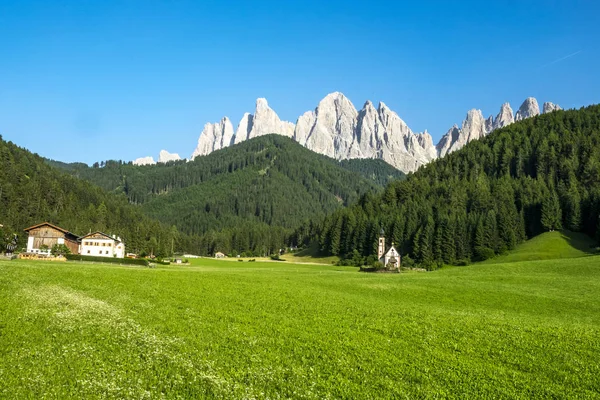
378 265
357 260
483 253
128 261
60 250
276 257
344 262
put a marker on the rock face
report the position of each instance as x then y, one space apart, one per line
263 122
489 124
144 161
214 137
504 117
330 128
338 130
165 156
529 108
550 107
473 127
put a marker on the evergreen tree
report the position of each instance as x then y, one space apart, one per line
551 212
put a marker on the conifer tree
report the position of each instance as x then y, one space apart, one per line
551 212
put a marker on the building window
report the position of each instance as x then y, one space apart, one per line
106 251
88 252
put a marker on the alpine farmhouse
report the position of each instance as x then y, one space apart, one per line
42 237
102 245
45 235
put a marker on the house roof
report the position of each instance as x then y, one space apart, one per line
100 233
58 228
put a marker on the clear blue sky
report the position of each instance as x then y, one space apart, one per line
96 80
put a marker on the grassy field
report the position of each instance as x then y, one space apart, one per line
528 329
289 258
309 255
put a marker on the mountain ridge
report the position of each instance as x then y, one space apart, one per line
336 128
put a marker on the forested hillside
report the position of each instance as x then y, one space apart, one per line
374 169
32 192
536 175
247 197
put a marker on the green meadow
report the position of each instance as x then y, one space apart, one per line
220 329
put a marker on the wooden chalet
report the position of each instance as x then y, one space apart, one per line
45 235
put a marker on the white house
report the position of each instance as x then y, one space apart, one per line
100 244
390 258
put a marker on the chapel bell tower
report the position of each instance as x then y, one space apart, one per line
381 247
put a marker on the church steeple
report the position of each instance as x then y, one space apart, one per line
381 246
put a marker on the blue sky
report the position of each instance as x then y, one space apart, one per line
88 81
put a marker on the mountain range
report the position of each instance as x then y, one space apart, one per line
338 130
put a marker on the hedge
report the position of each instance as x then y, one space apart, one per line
111 260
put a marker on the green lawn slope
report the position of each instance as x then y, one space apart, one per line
549 246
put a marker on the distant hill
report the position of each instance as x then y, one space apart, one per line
31 192
245 197
550 246
535 175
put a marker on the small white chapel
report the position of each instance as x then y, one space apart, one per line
390 258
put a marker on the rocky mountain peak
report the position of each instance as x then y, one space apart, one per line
165 156
262 104
244 127
505 117
489 124
144 161
266 121
550 107
529 108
